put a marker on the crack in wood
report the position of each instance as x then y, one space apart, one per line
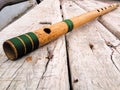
115 47
15 75
49 57
10 83
4 62
109 43
67 53
112 48
96 84
50 54
111 56
68 65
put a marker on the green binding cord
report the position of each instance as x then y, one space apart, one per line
25 43
19 47
69 24
35 39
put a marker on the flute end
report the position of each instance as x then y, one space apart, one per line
116 4
9 50
19 46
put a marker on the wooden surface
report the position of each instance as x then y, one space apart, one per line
85 59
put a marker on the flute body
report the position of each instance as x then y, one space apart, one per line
19 46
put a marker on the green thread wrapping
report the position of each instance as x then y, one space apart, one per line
69 24
35 39
19 46
27 42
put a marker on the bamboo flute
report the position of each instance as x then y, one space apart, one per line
19 46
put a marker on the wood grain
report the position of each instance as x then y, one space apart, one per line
111 20
94 62
45 68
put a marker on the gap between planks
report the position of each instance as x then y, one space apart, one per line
40 73
98 66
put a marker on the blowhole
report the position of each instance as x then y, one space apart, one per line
47 30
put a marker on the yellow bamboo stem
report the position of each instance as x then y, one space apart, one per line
21 45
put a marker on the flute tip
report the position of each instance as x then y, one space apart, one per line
116 4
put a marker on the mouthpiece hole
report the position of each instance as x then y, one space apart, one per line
9 50
47 30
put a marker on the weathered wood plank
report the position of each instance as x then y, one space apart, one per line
94 62
87 5
110 20
45 68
